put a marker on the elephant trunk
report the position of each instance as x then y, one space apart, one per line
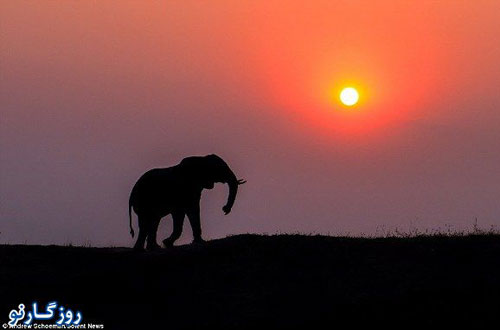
233 190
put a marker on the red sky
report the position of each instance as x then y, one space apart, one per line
92 94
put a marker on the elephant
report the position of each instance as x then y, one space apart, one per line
177 191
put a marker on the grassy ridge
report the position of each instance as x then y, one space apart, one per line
277 281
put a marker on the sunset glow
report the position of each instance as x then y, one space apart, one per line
95 92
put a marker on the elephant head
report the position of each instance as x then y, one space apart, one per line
207 170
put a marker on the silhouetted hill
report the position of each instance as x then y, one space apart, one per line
277 281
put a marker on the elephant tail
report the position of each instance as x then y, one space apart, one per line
130 217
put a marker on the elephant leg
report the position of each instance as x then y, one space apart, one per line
144 223
153 228
178 218
193 214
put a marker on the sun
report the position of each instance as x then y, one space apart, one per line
349 96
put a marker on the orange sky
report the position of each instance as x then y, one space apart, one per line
402 54
89 86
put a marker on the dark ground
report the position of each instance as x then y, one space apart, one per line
273 281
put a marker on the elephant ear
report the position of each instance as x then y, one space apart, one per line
197 170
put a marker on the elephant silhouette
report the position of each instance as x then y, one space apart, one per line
177 190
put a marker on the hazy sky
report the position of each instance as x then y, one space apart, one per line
94 93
